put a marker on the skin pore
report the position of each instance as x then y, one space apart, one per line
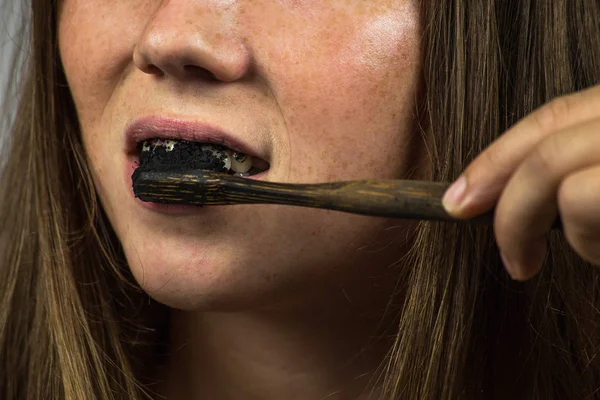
269 302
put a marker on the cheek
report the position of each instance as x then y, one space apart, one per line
348 85
96 40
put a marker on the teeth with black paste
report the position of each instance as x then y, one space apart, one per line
176 154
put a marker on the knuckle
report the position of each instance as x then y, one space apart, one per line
493 160
555 113
585 244
578 201
543 158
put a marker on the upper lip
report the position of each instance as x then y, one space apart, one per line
149 127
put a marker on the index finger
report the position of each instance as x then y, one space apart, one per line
482 182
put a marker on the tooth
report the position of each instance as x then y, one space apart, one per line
219 153
146 145
169 144
242 174
227 162
241 162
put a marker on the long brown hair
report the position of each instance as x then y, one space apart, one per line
70 319
73 324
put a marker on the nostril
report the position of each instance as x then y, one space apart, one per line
144 63
152 69
199 72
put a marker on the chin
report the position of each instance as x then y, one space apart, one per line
206 274
187 274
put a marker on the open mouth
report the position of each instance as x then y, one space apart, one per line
172 154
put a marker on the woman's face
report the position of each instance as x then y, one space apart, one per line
321 90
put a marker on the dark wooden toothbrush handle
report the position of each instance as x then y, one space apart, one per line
406 199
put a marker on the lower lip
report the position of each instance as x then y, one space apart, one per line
171 208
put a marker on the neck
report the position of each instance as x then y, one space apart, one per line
331 347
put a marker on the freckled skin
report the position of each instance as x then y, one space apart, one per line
327 87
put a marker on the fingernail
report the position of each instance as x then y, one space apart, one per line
455 195
509 266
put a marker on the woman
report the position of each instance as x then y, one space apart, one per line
104 296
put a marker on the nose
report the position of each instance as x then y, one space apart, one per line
190 38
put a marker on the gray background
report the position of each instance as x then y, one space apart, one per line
10 23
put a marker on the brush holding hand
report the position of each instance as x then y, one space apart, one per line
546 165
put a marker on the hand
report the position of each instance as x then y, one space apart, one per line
545 165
